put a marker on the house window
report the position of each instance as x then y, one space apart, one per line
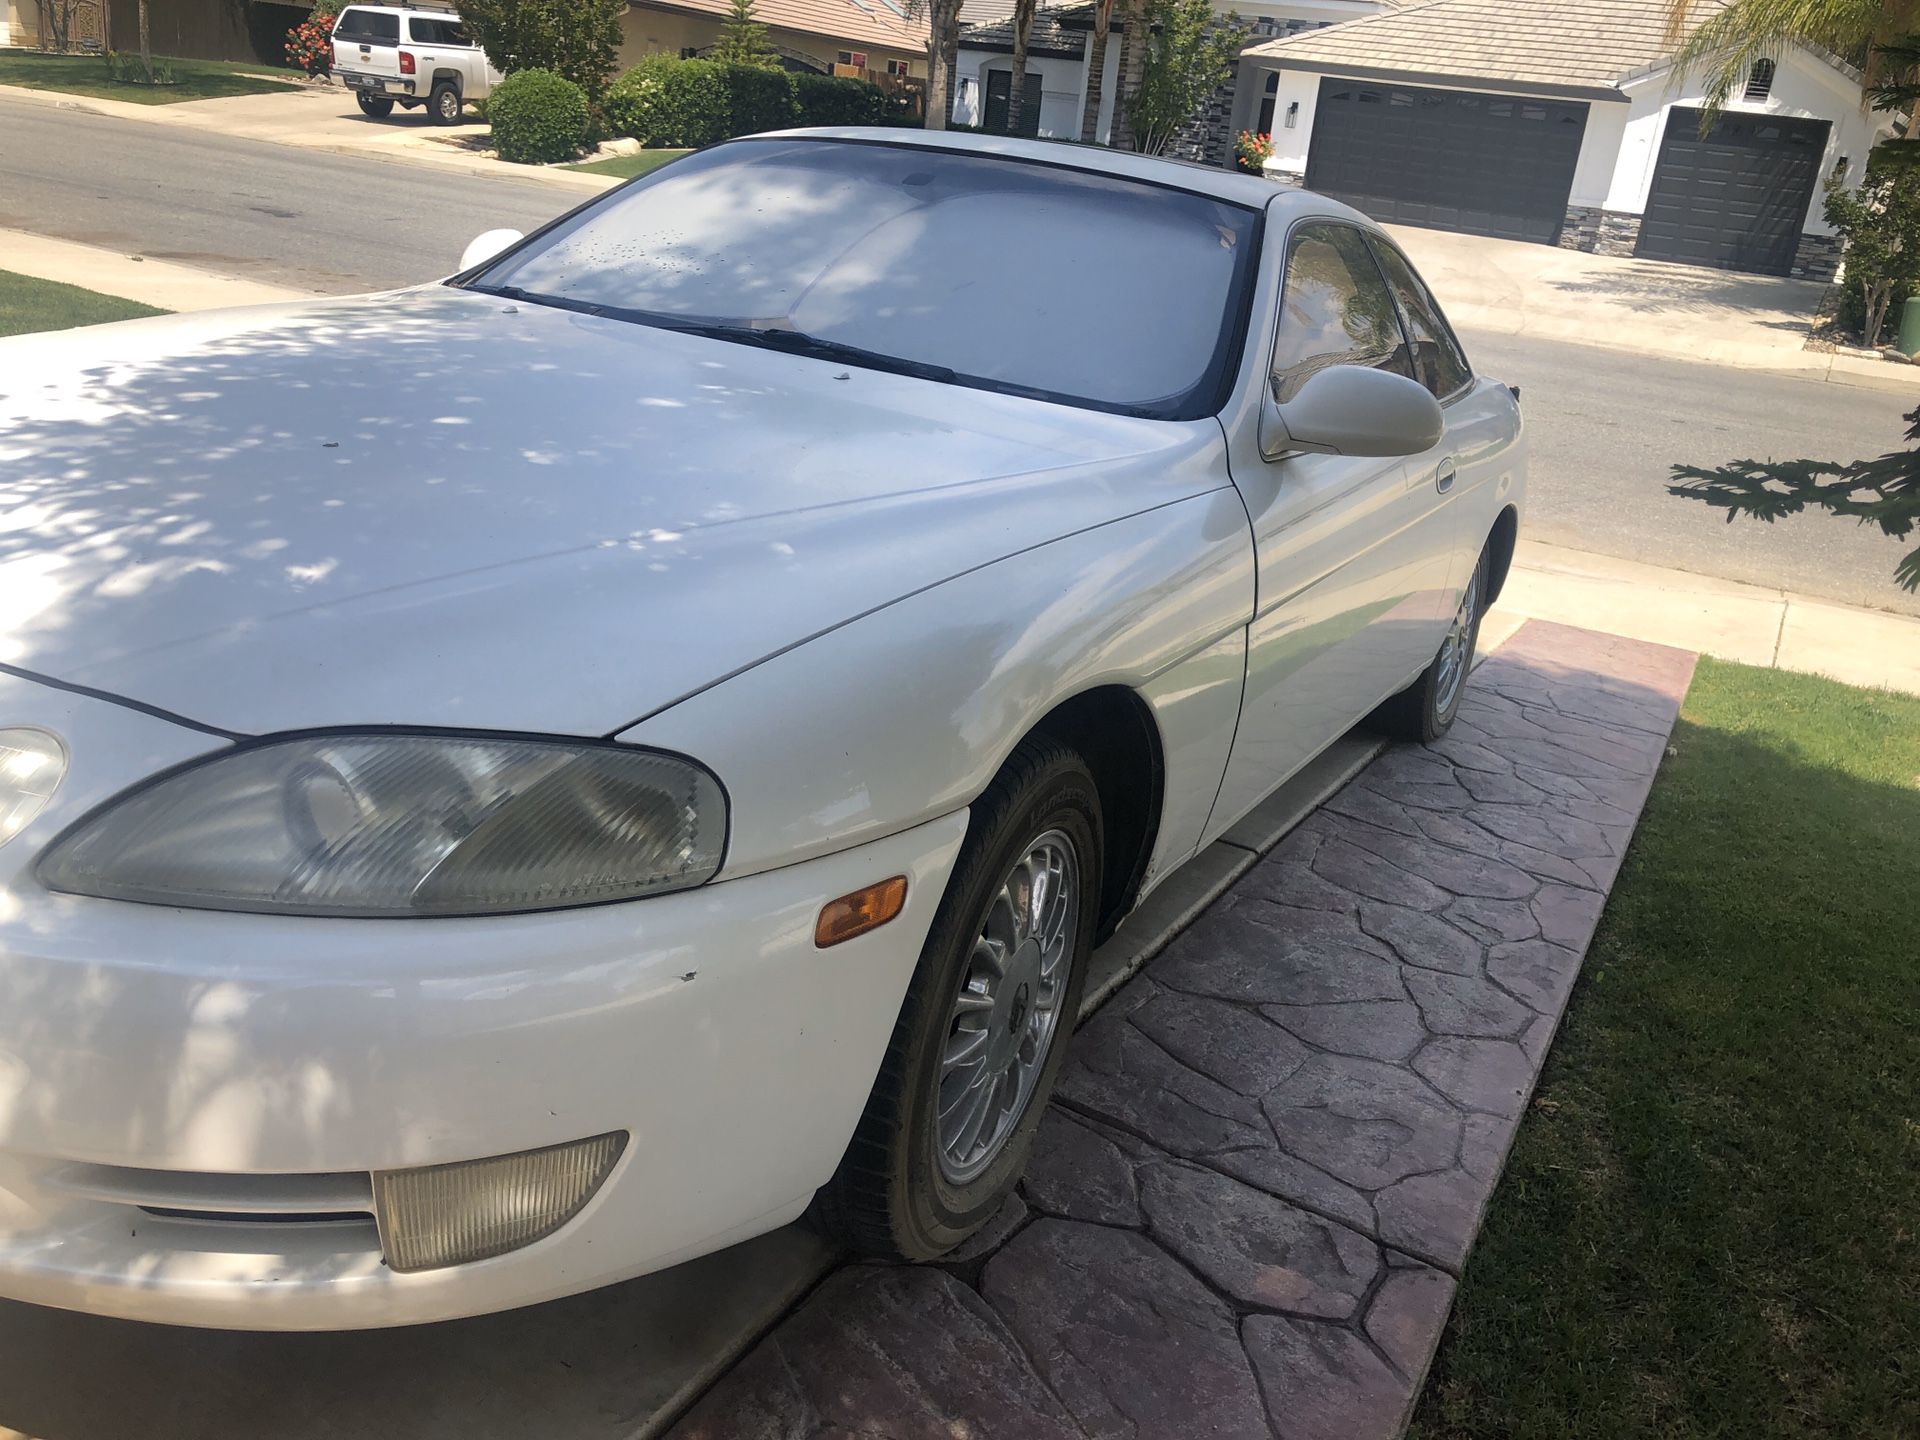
1759 80
901 68
856 58
1267 97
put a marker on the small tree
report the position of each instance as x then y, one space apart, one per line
1883 492
943 49
1096 70
1188 55
577 39
743 40
1017 82
1880 223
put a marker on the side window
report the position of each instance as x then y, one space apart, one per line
1334 310
1442 365
367 25
427 31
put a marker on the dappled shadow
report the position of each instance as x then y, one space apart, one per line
1651 288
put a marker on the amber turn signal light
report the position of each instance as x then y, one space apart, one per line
860 912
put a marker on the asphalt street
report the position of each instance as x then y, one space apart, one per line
1605 425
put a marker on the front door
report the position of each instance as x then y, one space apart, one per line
1000 101
1354 558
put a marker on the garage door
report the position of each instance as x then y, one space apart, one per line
1736 199
1447 159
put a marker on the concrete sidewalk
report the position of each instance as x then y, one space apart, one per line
1748 623
161 283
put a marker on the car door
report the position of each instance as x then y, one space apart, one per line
1471 476
1353 564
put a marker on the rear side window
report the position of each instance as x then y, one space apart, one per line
1334 310
1437 356
368 26
425 30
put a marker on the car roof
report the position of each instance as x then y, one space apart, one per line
1219 184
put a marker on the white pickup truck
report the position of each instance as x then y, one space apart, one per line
410 55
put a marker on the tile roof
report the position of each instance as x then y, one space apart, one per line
866 22
1591 45
1057 30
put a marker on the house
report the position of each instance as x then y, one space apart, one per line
869 39
1566 125
1058 51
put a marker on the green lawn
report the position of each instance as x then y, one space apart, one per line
87 75
1711 1222
27 305
628 166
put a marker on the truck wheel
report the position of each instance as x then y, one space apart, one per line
444 104
1424 711
377 106
985 1024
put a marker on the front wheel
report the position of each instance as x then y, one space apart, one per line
1424 711
984 1027
376 106
444 104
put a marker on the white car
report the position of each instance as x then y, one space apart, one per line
515 783
410 55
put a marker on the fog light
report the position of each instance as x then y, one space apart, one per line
473 1209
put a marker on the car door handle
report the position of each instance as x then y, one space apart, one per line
1443 475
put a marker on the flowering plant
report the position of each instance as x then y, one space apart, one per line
310 43
1253 150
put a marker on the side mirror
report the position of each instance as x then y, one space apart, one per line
484 246
1352 410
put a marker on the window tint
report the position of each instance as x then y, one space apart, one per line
1441 366
923 256
1334 310
428 31
367 25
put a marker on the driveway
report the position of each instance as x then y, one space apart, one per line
1511 288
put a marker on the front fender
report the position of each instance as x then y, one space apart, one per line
906 713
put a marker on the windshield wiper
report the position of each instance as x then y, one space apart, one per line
798 342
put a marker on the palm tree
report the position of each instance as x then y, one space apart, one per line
1133 69
1096 70
1017 82
943 45
1724 38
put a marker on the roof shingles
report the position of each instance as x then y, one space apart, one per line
1592 45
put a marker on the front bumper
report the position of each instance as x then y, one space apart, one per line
138 1042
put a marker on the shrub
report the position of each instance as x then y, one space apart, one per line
758 99
1881 225
538 117
310 44
668 101
840 100
577 39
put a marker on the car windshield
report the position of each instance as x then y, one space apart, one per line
1033 279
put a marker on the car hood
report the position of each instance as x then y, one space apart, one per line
436 507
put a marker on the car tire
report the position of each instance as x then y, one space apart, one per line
912 1185
444 104
375 106
1424 711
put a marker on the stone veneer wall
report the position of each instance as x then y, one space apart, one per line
1818 258
1599 232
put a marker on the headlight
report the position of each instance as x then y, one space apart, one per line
31 764
399 825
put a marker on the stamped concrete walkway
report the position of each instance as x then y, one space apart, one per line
1269 1154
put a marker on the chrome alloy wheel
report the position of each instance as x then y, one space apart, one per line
1004 1018
1456 651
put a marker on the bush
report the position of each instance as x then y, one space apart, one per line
840 100
668 101
758 99
577 39
1880 223
310 44
538 117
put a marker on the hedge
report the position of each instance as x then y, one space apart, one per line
538 117
667 101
